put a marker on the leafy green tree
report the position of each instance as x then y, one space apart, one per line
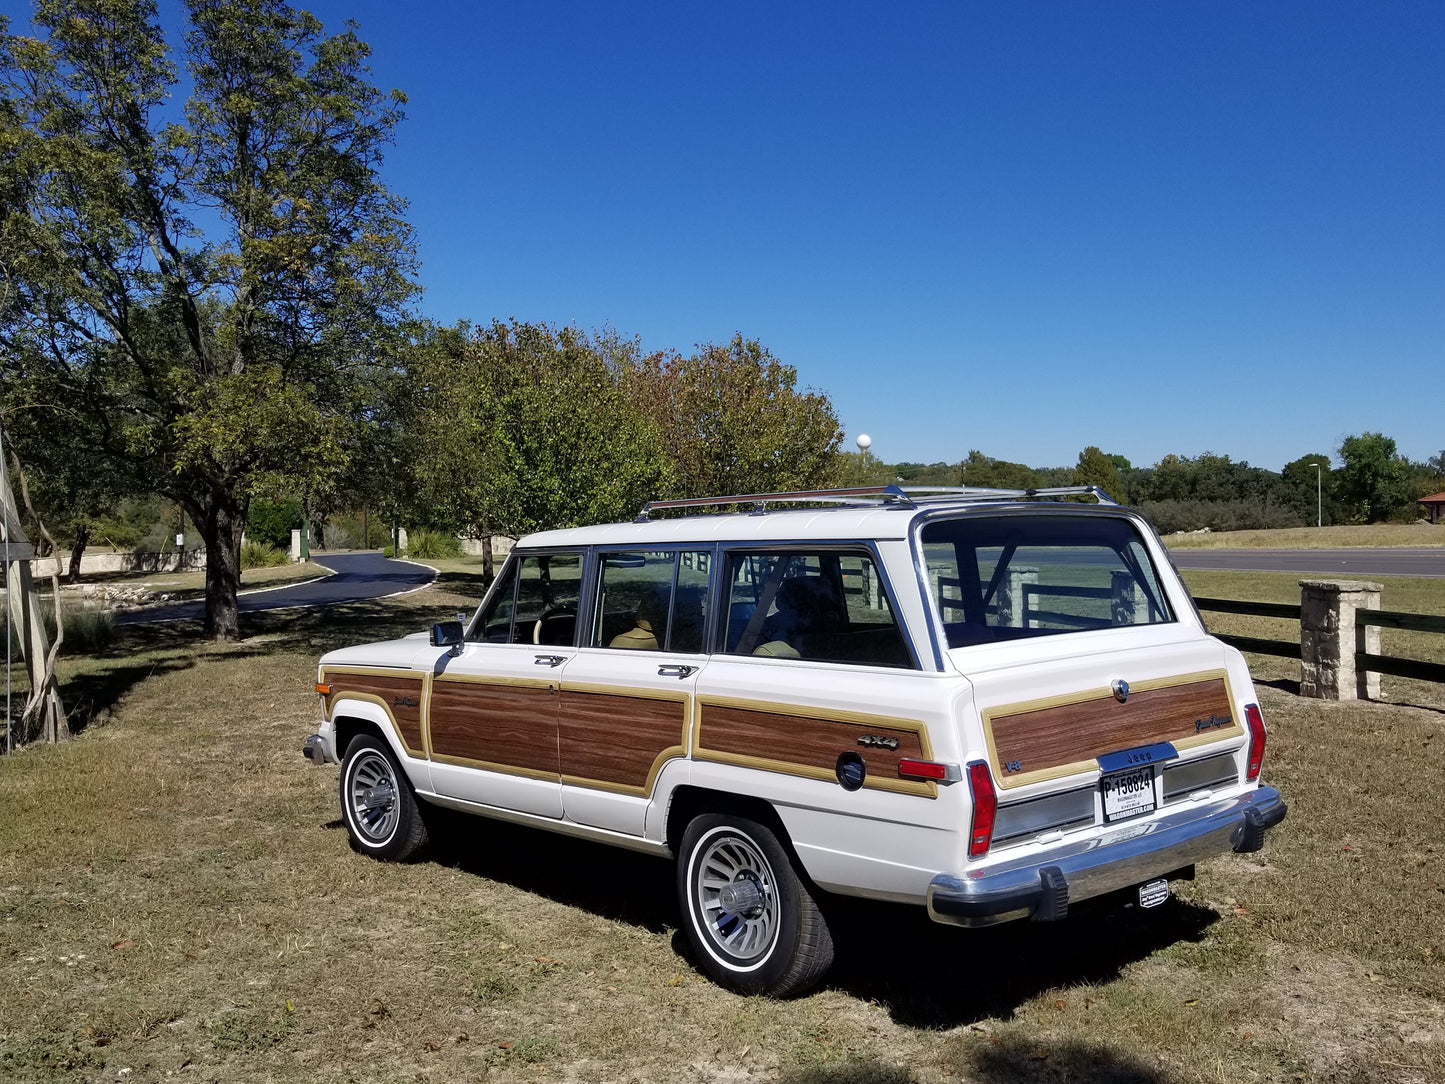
988 473
735 421
1311 492
207 294
517 428
1097 469
1375 481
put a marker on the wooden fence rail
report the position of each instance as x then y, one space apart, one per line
1387 664
1364 661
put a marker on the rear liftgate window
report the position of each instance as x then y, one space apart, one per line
1012 577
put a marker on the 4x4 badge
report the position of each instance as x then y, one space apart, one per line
1121 690
875 742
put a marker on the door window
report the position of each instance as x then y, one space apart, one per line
536 602
651 601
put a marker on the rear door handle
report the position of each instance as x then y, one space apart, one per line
675 670
550 660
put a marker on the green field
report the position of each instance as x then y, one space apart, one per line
177 899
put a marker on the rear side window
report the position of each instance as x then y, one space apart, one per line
827 607
651 601
1010 577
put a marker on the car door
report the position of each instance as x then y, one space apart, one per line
816 703
493 709
627 695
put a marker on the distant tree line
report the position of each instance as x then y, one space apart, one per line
1372 483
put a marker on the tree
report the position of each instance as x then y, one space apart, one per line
1375 481
988 473
1311 492
518 428
207 292
735 421
1097 469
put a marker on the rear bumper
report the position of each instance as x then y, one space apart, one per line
1043 885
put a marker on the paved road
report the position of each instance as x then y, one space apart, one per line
358 576
1359 563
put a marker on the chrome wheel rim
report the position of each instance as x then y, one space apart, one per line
734 893
372 794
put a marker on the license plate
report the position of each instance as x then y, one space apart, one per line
1128 794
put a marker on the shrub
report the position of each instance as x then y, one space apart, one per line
346 530
87 631
261 555
272 521
424 542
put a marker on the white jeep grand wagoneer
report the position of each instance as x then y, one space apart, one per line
988 703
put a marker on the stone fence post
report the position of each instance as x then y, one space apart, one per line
1328 642
1013 596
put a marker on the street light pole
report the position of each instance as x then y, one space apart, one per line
1319 497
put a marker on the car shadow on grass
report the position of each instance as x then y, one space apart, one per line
934 976
927 975
988 1059
624 886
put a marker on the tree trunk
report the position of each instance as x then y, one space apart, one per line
488 572
221 519
77 551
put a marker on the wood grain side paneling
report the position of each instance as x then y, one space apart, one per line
809 745
1035 742
498 725
616 739
401 695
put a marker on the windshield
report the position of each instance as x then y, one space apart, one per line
1009 577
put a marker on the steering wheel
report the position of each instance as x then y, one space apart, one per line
564 610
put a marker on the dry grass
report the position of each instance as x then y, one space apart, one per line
177 899
1314 538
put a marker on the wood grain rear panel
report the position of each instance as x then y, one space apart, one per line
1036 742
615 738
511 725
401 696
810 744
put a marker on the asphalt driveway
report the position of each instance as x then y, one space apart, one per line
357 577
1352 563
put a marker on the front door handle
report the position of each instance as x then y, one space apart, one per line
674 670
550 660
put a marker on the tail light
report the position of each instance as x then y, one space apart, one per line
985 805
1255 722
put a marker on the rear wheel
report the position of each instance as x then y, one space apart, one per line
751 920
381 812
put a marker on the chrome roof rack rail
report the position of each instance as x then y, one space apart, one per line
859 496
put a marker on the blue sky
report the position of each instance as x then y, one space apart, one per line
1020 227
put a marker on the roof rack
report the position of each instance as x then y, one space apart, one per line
861 496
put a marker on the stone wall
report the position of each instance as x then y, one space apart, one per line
169 561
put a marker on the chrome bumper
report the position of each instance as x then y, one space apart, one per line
1043 885
317 749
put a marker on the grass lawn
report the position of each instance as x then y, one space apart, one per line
177 899
1314 538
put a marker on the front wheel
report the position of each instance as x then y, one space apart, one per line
750 918
381 812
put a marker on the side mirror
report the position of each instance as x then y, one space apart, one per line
450 634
